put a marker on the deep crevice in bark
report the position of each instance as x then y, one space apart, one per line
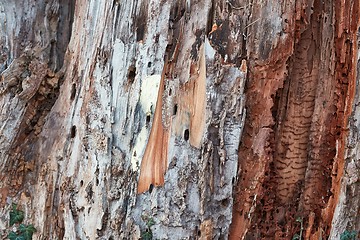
300 161
293 113
42 87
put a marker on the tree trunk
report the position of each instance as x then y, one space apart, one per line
180 119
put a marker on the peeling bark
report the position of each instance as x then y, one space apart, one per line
214 119
291 156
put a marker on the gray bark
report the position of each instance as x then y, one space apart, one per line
115 114
77 171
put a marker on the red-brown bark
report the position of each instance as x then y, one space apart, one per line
292 152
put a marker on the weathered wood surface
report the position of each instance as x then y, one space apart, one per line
115 112
300 90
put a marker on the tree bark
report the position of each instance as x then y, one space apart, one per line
180 119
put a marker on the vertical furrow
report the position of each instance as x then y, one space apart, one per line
293 143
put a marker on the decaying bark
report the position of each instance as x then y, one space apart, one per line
213 119
292 152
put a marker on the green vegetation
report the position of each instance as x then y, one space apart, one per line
16 215
348 235
298 236
147 234
23 232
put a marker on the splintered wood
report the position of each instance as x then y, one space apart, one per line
189 119
154 161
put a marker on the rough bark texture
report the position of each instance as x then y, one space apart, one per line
115 113
292 151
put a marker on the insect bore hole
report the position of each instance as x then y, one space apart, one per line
151 187
73 91
175 109
131 74
186 134
73 131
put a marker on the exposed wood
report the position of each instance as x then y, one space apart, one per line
154 162
291 154
185 119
